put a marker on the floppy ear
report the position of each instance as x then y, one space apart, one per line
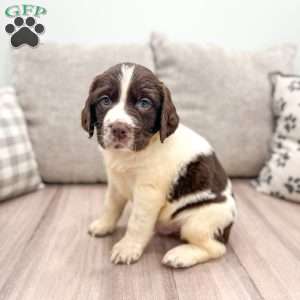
169 119
88 118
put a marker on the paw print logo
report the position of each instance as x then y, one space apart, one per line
282 137
278 142
293 185
278 145
279 106
266 175
24 32
290 122
277 194
294 85
282 159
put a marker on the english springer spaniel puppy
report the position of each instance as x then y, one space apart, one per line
169 172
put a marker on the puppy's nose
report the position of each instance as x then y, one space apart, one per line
119 130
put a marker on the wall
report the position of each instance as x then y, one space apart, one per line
232 23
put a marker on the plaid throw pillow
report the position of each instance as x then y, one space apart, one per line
18 168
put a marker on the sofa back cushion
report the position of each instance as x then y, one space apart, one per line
225 96
52 83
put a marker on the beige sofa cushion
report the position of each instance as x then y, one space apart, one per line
225 96
52 84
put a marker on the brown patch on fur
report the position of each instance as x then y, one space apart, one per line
86 119
92 114
204 172
201 202
223 235
144 84
169 119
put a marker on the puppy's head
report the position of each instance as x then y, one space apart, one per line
128 105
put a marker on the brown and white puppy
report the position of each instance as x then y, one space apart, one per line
170 173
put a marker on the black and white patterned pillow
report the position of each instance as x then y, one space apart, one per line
280 176
18 168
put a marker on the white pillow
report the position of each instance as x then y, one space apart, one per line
18 167
281 175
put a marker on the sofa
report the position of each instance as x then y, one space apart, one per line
45 250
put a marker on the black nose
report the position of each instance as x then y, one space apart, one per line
119 130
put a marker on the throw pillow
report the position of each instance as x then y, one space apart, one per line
18 168
280 176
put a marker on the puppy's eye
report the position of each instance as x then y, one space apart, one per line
105 101
143 104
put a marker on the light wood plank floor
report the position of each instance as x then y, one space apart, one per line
46 253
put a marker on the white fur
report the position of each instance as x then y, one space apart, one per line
118 112
145 178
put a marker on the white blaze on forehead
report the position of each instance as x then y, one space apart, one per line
118 112
125 79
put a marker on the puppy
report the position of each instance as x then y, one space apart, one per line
170 173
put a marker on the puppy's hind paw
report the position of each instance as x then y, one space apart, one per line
99 228
184 256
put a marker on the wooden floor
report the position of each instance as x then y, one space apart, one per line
46 253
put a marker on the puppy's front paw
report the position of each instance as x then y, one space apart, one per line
126 252
100 228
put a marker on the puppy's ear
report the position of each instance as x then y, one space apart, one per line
88 118
169 119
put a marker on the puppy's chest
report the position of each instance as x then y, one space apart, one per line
125 184
159 179
128 174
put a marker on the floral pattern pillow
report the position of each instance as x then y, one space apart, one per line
280 177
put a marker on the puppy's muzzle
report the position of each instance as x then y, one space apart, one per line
120 131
